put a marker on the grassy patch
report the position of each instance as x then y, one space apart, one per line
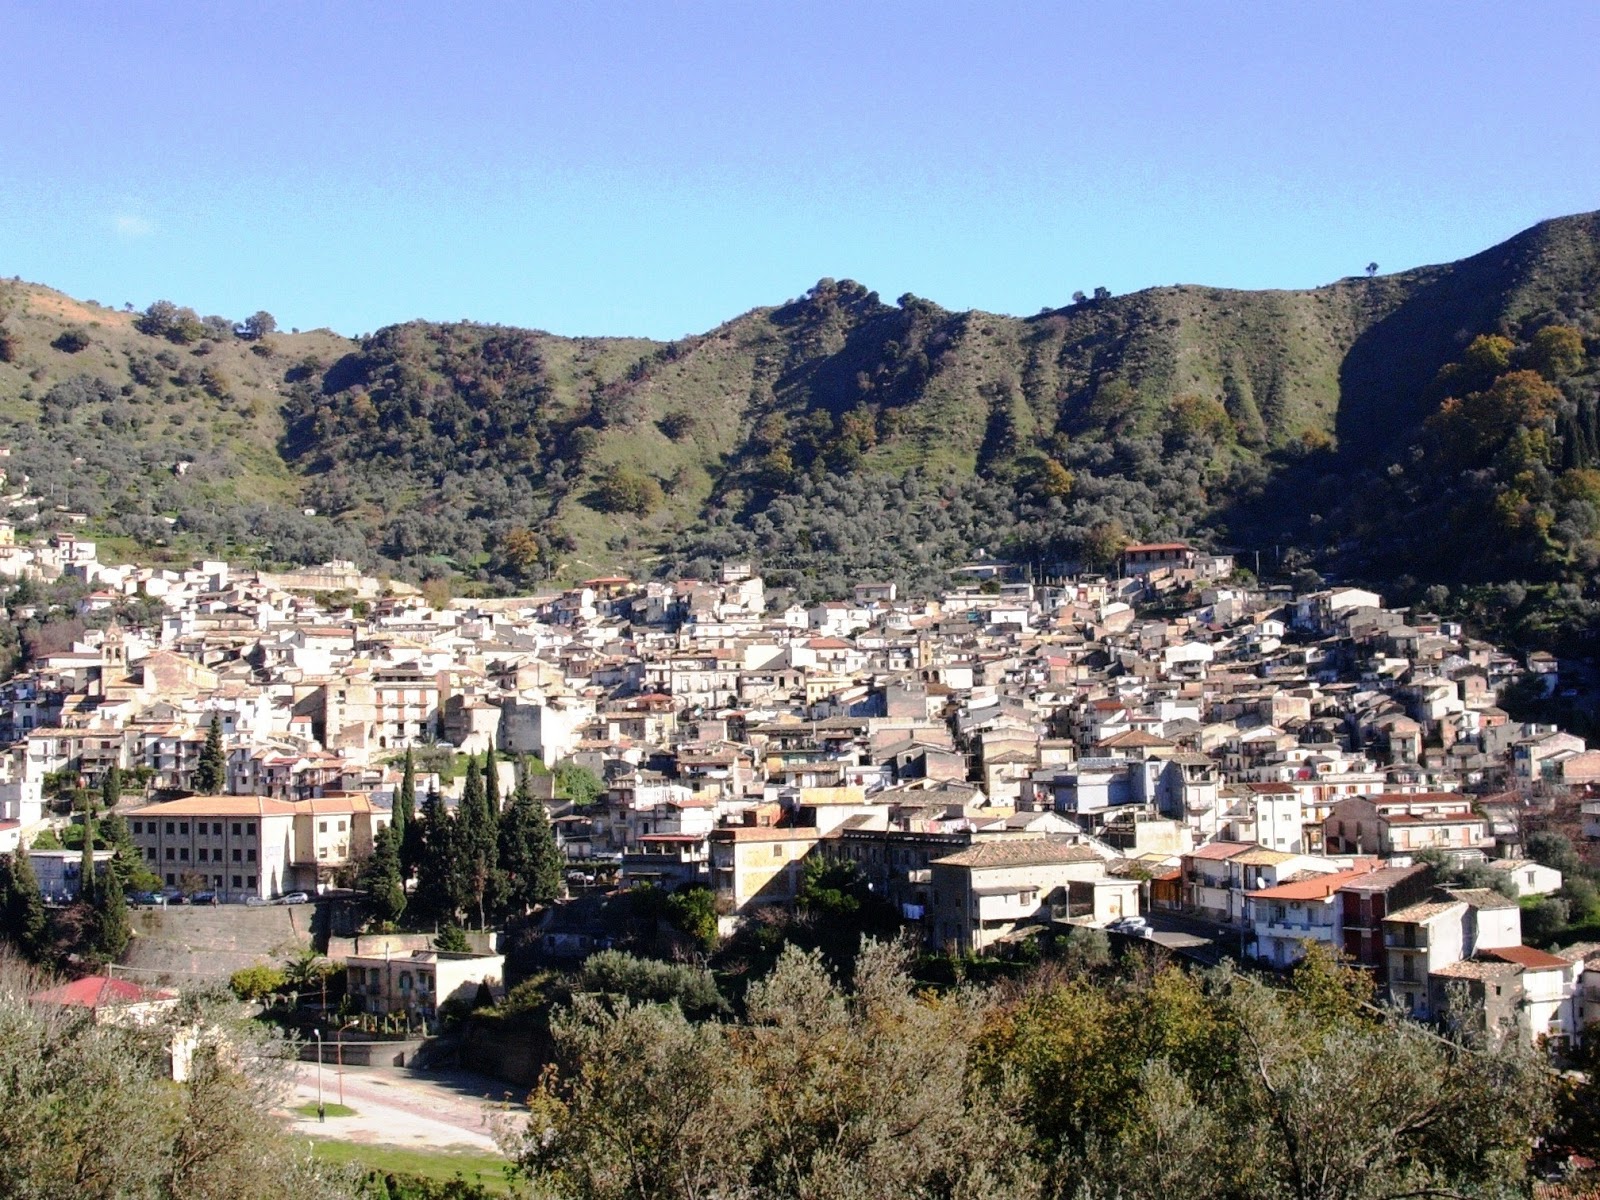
333 1110
474 1166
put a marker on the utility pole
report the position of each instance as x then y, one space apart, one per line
322 1112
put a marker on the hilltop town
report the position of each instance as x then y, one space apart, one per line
1174 754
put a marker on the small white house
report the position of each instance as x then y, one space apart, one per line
1531 878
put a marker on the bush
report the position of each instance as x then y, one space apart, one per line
257 982
615 973
70 341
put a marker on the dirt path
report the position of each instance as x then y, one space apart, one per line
398 1108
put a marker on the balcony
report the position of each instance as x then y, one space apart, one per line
1293 930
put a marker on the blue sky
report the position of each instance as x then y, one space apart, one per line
658 168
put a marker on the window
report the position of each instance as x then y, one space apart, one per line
340 827
169 873
249 856
250 881
183 854
238 856
200 856
236 829
169 827
183 827
237 882
250 828
777 850
138 826
150 853
169 856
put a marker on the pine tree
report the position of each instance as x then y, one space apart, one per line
529 858
111 929
380 879
440 893
126 862
212 774
22 917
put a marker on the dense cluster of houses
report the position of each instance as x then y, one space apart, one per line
1004 758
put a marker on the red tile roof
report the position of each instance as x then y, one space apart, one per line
1527 957
100 991
1318 887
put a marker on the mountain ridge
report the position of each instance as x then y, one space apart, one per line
833 433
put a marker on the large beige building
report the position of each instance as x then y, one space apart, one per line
254 846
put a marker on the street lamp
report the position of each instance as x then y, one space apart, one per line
322 1113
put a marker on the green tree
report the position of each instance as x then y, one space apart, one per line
23 920
1556 351
453 940
1552 848
256 982
476 843
127 862
693 910
623 489
381 879
111 788
211 776
112 930
411 833
86 871
530 861
257 326
441 891
578 784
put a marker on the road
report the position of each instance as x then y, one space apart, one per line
396 1107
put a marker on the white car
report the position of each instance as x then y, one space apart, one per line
1134 925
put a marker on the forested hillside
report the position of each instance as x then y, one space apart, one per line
1432 428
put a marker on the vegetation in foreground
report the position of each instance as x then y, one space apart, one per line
1151 1083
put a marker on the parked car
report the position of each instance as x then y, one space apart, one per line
146 898
1136 926
294 898
203 898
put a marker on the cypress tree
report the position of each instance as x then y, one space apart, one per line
529 858
477 848
409 837
212 774
111 929
380 879
111 788
22 915
86 879
440 892
491 787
